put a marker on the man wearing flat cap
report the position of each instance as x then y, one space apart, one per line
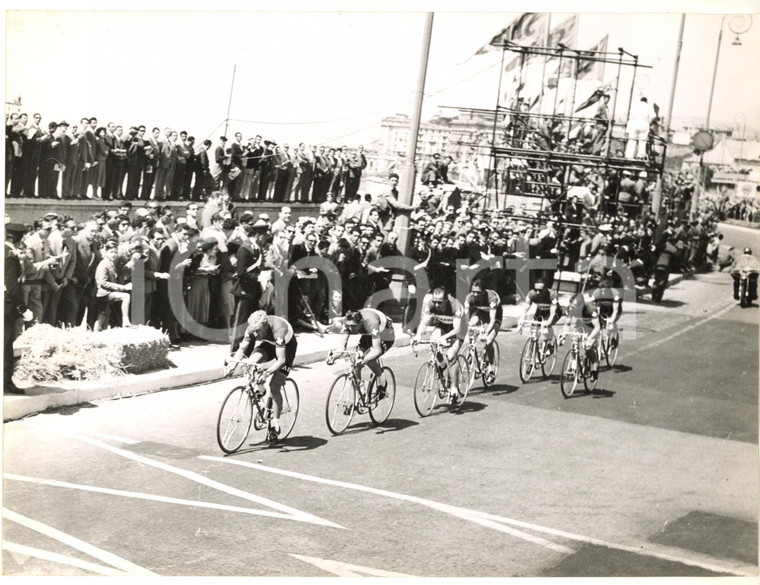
246 287
14 301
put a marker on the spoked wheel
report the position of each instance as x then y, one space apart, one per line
472 366
588 383
290 404
234 421
463 379
528 360
569 378
489 377
425 389
743 294
341 401
547 365
612 347
381 401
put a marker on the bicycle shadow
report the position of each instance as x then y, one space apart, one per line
391 425
619 368
601 393
496 389
299 443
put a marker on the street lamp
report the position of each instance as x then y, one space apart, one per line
739 24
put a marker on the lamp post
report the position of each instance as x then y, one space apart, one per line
738 28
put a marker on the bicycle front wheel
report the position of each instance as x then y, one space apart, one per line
381 401
612 347
490 378
569 377
528 360
463 378
341 401
547 365
588 383
425 391
234 421
290 404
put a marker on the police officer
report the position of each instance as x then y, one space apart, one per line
14 301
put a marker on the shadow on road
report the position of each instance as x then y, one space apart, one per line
670 303
74 408
619 368
499 389
601 393
299 443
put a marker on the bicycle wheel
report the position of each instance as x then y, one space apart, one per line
588 383
290 403
425 390
489 379
550 359
341 401
380 405
612 347
463 378
234 421
528 360
569 377
472 365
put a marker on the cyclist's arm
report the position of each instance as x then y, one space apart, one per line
456 327
521 320
597 328
279 361
491 321
424 321
375 351
616 312
553 312
344 341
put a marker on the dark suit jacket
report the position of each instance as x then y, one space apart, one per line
246 282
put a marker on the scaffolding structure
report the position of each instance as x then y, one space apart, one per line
543 155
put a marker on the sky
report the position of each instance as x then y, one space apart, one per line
329 76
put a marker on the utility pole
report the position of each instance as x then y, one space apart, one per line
229 103
408 173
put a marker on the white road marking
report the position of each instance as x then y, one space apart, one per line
492 521
290 513
470 515
691 327
347 570
76 543
28 551
144 496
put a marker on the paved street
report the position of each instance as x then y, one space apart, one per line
653 474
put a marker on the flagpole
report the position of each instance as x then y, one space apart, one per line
493 138
229 103
546 59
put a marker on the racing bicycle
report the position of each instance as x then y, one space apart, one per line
433 380
477 359
537 352
348 395
609 344
250 404
576 366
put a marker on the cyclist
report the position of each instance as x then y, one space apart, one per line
609 304
268 338
483 306
547 310
582 316
377 337
443 312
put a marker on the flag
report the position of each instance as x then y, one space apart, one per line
593 69
525 29
565 33
594 97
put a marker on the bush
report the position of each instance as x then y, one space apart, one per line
53 355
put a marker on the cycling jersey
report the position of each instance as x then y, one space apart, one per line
280 334
443 315
587 313
482 305
605 300
543 300
374 324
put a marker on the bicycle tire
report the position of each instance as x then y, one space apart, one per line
569 377
425 389
472 365
380 409
291 402
341 404
234 420
588 383
463 379
611 353
527 360
494 366
549 361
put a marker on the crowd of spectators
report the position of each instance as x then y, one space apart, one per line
77 273
108 163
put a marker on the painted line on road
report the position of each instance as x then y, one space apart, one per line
291 513
346 569
28 551
686 329
74 542
144 496
465 514
496 522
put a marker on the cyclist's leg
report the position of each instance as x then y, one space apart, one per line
276 383
453 364
489 343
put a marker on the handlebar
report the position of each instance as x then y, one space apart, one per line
351 354
433 343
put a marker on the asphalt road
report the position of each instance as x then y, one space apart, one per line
654 474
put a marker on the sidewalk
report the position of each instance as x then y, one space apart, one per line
193 364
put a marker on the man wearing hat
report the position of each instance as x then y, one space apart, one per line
14 301
222 164
246 287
